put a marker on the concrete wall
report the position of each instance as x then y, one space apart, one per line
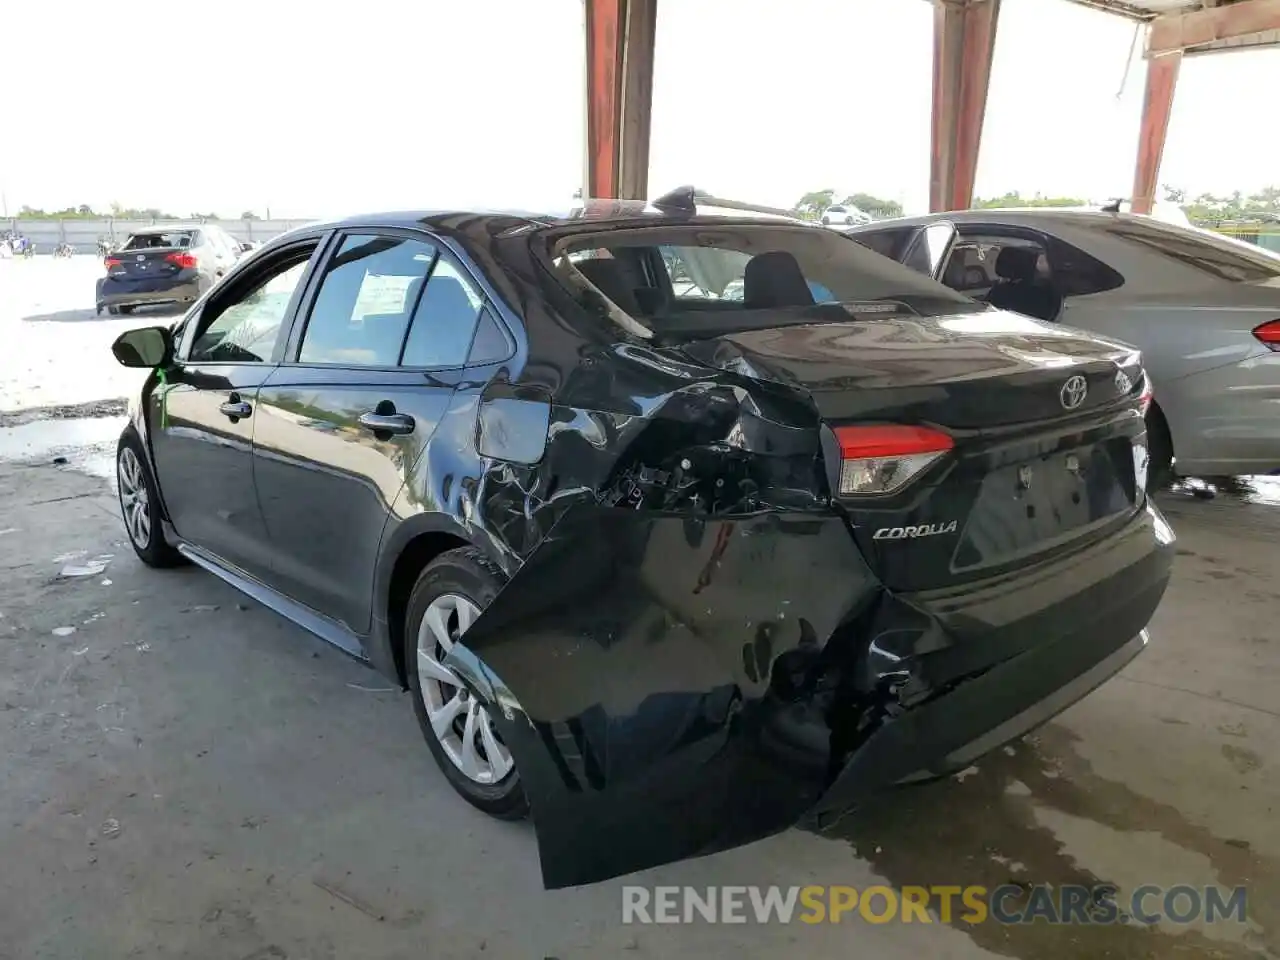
84 234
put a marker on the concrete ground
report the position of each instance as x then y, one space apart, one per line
185 774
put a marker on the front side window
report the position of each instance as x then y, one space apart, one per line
361 312
243 326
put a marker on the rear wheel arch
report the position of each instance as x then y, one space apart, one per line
412 558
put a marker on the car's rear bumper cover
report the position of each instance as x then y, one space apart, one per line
675 686
1224 420
178 288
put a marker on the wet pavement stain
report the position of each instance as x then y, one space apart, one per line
1242 758
991 830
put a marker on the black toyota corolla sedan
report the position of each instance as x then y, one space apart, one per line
678 528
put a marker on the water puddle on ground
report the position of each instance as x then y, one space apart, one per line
87 444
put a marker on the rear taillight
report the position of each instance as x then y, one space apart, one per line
111 262
883 459
187 261
1269 333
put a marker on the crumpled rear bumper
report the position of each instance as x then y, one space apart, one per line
673 686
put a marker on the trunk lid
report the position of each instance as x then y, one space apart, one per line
1049 439
968 371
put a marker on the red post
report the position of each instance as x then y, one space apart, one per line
620 43
964 38
1162 81
604 95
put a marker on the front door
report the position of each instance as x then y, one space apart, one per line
202 427
342 421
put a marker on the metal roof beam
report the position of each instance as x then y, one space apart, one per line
1176 32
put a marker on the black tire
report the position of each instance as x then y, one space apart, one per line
826 221
1159 450
465 572
153 550
127 311
113 310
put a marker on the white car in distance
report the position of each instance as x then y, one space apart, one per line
845 214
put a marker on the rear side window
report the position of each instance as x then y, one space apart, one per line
1207 252
445 319
362 310
1076 273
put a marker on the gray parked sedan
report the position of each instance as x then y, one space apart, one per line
1204 310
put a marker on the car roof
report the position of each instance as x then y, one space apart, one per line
169 228
1078 216
604 213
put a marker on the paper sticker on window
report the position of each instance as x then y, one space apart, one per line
381 294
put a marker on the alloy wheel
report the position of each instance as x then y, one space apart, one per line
135 504
460 722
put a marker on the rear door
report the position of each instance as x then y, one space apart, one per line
203 421
369 371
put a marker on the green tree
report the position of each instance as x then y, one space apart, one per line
1016 199
811 205
880 209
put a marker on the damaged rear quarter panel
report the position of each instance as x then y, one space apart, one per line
676 571
636 658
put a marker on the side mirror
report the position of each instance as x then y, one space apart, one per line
246 247
147 347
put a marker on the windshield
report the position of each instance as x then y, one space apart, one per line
175 239
697 279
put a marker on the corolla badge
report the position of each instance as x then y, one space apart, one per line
911 533
1073 392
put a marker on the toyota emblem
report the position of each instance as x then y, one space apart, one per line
1073 392
141 257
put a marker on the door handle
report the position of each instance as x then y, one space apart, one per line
396 424
235 408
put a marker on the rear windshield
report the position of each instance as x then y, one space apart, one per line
144 241
679 282
1211 253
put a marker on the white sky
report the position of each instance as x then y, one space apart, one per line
318 109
